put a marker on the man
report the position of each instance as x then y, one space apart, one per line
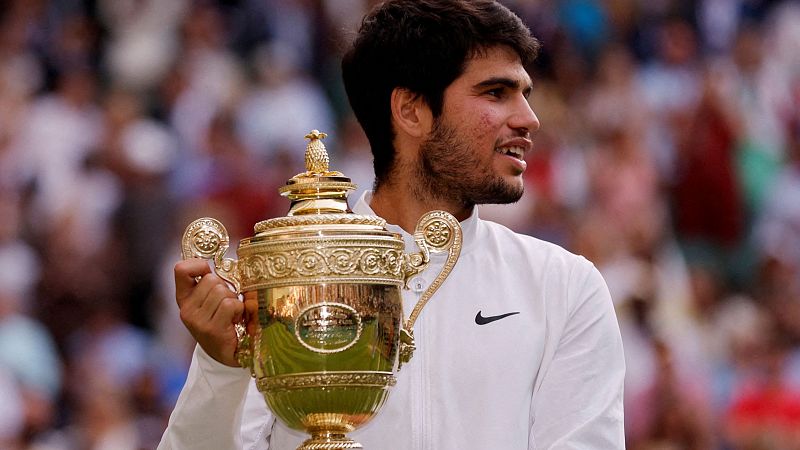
519 348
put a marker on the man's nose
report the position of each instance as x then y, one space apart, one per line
524 118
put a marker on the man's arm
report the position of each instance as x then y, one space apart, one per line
578 402
209 412
211 409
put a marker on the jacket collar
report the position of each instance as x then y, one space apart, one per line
469 226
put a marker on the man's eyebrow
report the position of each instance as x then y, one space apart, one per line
503 81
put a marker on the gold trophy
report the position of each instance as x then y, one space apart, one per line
323 333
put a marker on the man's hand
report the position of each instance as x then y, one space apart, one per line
208 308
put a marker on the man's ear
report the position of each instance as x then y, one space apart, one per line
410 113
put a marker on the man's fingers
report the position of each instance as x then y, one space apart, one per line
199 294
230 310
208 308
216 295
186 272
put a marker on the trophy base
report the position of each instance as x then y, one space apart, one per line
329 441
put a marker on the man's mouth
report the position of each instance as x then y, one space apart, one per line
515 152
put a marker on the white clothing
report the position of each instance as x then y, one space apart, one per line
549 377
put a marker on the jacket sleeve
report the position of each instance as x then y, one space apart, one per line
218 408
577 403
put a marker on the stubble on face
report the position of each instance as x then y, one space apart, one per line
449 170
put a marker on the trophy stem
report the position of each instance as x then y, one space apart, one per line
329 440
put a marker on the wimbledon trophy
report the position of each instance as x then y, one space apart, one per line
323 332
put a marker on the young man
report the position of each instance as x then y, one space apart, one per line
519 348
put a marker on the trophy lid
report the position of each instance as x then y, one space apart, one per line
318 190
318 195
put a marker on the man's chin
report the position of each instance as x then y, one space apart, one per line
506 200
509 194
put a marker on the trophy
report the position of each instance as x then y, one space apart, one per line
324 331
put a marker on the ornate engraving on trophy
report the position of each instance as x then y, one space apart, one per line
203 238
286 382
342 260
206 241
355 261
328 327
437 233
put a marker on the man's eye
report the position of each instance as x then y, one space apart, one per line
498 92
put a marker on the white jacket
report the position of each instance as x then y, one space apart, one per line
549 376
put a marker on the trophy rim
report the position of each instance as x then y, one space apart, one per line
342 219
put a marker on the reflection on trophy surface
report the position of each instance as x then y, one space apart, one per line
324 330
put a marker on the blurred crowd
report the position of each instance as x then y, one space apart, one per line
669 156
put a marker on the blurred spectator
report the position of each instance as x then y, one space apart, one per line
718 21
752 83
671 86
707 204
778 227
141 153
624 180
231 179
678 421
765 412
585 22
142 42
59 133
12 409
30 367
208 77
284 104
108 391
21 76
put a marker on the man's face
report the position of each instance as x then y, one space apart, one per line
474 153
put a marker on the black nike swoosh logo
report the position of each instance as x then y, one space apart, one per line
480 320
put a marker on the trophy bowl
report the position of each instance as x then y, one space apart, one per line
324 331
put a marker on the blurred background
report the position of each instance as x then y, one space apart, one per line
669 155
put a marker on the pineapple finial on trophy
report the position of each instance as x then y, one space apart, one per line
316 156
318 190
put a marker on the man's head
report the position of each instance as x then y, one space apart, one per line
422 46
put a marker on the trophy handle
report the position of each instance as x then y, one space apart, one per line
436 232
207 238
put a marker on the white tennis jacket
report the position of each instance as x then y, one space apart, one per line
547 376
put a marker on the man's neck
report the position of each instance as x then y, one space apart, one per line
399 206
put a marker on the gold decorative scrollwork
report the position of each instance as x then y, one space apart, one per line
330 379
394 262
311 262
203 238
255 268
277 266
319 219
371 262
207 238
341 261
437 233
206 241
244 348
324 445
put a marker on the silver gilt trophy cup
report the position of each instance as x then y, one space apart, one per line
324 331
